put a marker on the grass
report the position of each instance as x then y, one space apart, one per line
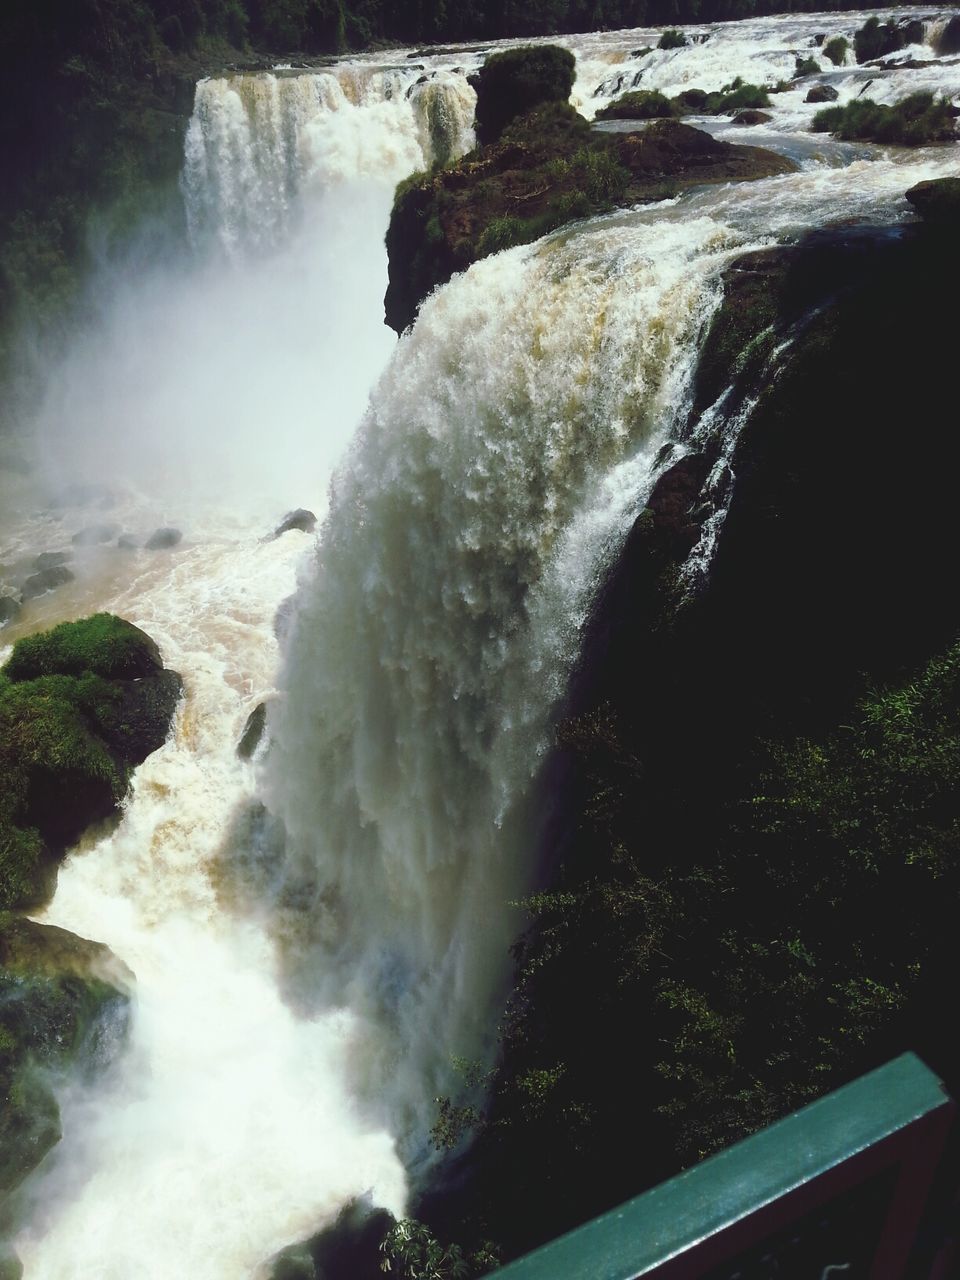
913 122
103 644
836 50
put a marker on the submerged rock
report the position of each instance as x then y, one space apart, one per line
94 534
162 539
63 1003
38 584
252 731
9 609
51 559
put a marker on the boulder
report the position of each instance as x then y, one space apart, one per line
252 731
347 1250
937 201
51 559
822 93
80 707
301 519
38 584
162 539
94 534
63 1002
948 41
749 116
127 542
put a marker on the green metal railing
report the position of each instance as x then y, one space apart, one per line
834 1191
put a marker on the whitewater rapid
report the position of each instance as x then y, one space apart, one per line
316 934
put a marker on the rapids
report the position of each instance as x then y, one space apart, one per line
316 934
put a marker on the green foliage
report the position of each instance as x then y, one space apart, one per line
103 644
517 80
806 67
835 50
672 39
411 1252
644 104
914 121
876 39
735 97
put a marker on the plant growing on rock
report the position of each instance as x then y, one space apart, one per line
835 50
672 39
912 122
517 80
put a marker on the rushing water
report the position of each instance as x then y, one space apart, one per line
315 934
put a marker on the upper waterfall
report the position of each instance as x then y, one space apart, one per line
260 149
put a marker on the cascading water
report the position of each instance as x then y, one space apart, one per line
504 453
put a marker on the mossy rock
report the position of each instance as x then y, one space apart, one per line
822 93
63 1003
937 201
914 121
104 644
69 738
644 104
513 82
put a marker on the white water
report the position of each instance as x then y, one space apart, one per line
507 448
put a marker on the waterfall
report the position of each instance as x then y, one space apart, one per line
316 934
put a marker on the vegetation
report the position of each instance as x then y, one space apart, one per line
411 1252
514 82
672 39
876 39
914 121
806 67
75 715
651 104
835 50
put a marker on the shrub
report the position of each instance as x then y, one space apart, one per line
645 104
513 82
912 122
672 39
600 174
806 67
836 50
875 39
735 97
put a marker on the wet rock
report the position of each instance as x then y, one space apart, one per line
9 609
95 534
38 584
98 690
949 39
349 1250
301 519
937 201
11 1268
85 495
252 731
283 618
51 559
63 1002
749 116
162 539
822 93
127 542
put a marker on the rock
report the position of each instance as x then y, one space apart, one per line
283 618
85 495
51 559
252 731
9 609
749 116
948 41
162 539
38 584
80 707
127 542
517 80
822 93
300 519
63 1001
94 534
103 644
349 1250
937 201
11 1268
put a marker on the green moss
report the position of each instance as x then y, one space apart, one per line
835 50
644 104
912 122
103 644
